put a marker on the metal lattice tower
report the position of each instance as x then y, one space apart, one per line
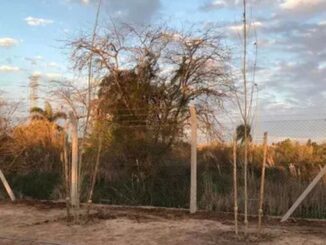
33 87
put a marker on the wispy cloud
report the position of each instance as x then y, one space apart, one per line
301 4
8 42
34 60
47 75
8 68
134 11
53 75
52 64
216 4
210 5
238 28
33 21
303 7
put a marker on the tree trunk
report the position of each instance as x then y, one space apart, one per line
66 169
97 164
245 119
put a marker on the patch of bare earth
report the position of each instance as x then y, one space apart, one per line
35 223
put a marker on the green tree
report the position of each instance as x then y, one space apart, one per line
47 113
241 133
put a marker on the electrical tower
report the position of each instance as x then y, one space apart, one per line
33 87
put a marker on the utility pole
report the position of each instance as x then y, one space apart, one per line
193 174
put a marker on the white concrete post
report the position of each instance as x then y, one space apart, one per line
304 194
262 184
193 174
7 186
235 183
74 161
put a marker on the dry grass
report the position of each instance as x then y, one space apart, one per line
280 193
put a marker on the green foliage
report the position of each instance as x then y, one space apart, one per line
36 185
168 187
47 113
241 129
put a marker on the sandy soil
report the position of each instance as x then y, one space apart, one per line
35 223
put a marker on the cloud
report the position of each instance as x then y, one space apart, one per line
32 21
216 4
8 42
298 38
52 64
278 8
36 74
139 11
34 60
300 8
322 65
238 28
134 11
291 37
47 75
302 5
219 4
8 68
52 76
292 53
297 84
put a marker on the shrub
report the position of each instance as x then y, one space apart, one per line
36 185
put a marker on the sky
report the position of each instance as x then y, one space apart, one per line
291 37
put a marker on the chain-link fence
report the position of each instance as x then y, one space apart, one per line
296 154
135 170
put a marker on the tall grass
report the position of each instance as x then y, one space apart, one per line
281 190
167 183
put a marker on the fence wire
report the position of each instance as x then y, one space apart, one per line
296 129
142 174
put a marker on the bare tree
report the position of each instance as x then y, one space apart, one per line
79 100
182 66
74 98
245 115
235 184
167 67
7 111
244 99
8 119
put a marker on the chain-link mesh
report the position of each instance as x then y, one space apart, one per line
134 170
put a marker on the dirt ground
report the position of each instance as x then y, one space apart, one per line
45 223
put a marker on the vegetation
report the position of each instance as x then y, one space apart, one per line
47 113
291 166
135 149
